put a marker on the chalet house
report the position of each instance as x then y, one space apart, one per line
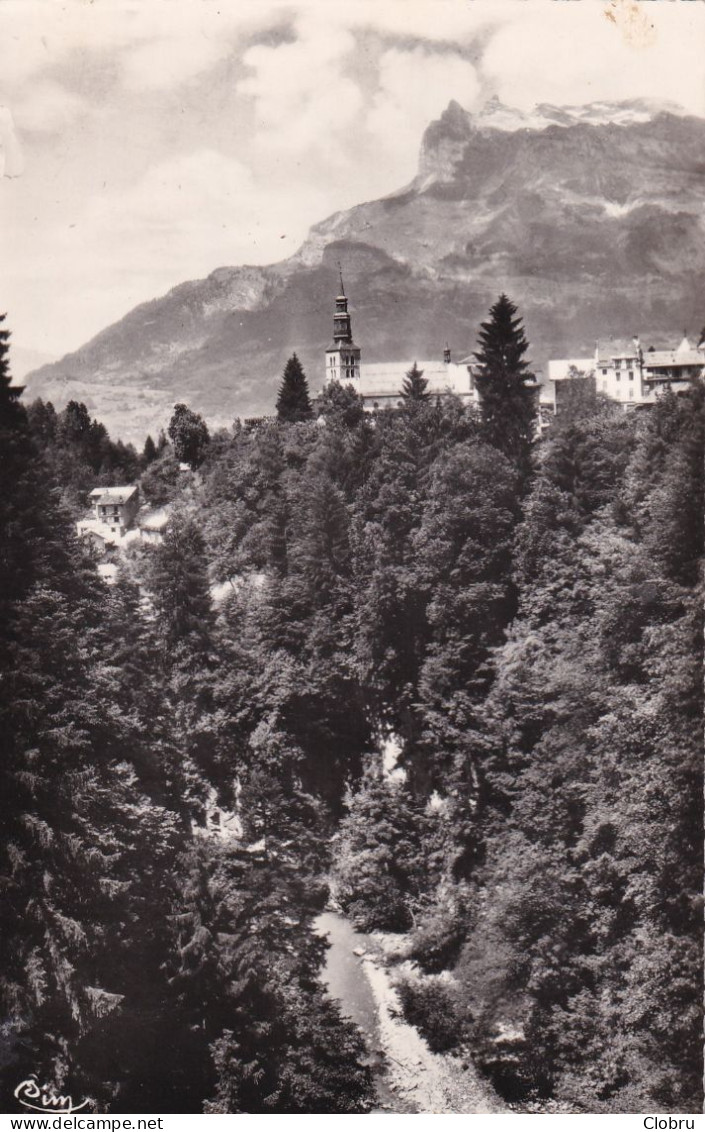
112 521
117 520
116 507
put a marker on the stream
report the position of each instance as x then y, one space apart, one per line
409 1078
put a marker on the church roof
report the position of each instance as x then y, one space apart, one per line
387 378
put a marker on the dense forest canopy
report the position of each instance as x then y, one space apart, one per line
523 623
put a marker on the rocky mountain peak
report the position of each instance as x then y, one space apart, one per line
445 141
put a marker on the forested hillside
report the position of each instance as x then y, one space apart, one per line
522 622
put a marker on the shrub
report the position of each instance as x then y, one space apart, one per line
429 1006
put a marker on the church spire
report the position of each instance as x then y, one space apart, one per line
342 323
343 356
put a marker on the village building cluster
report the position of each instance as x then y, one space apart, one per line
624 372
380 383
627 373
117 520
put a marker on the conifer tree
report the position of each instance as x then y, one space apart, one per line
149 452
507 402
18 504
178 586
43 422
415 387
78 825
293 402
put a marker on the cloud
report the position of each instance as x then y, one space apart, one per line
190 214
176 42
11 159
450 22
414 88
185 217
576 53
303 98
170 60
47 106
156 43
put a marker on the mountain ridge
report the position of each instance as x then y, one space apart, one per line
593 228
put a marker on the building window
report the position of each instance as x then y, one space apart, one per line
631 392
617 375
630 375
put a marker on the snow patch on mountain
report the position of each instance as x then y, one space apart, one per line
496 116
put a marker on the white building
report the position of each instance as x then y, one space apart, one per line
631 375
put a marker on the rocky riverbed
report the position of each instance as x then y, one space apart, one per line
409 1076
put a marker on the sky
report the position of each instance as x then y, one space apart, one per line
147 142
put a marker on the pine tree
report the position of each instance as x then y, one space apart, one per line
43 422
293 402
84 850
415 387
179 585
149 452
19 506
75 422
177 581
507 402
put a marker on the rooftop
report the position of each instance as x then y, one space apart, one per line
154 520
112 495
678 357
387 378
95 527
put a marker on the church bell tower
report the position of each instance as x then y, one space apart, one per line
343 356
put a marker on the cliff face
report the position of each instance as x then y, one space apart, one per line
591 220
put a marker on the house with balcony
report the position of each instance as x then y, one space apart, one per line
629 374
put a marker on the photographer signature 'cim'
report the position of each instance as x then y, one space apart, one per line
44 1097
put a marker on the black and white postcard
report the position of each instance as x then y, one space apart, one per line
352 425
